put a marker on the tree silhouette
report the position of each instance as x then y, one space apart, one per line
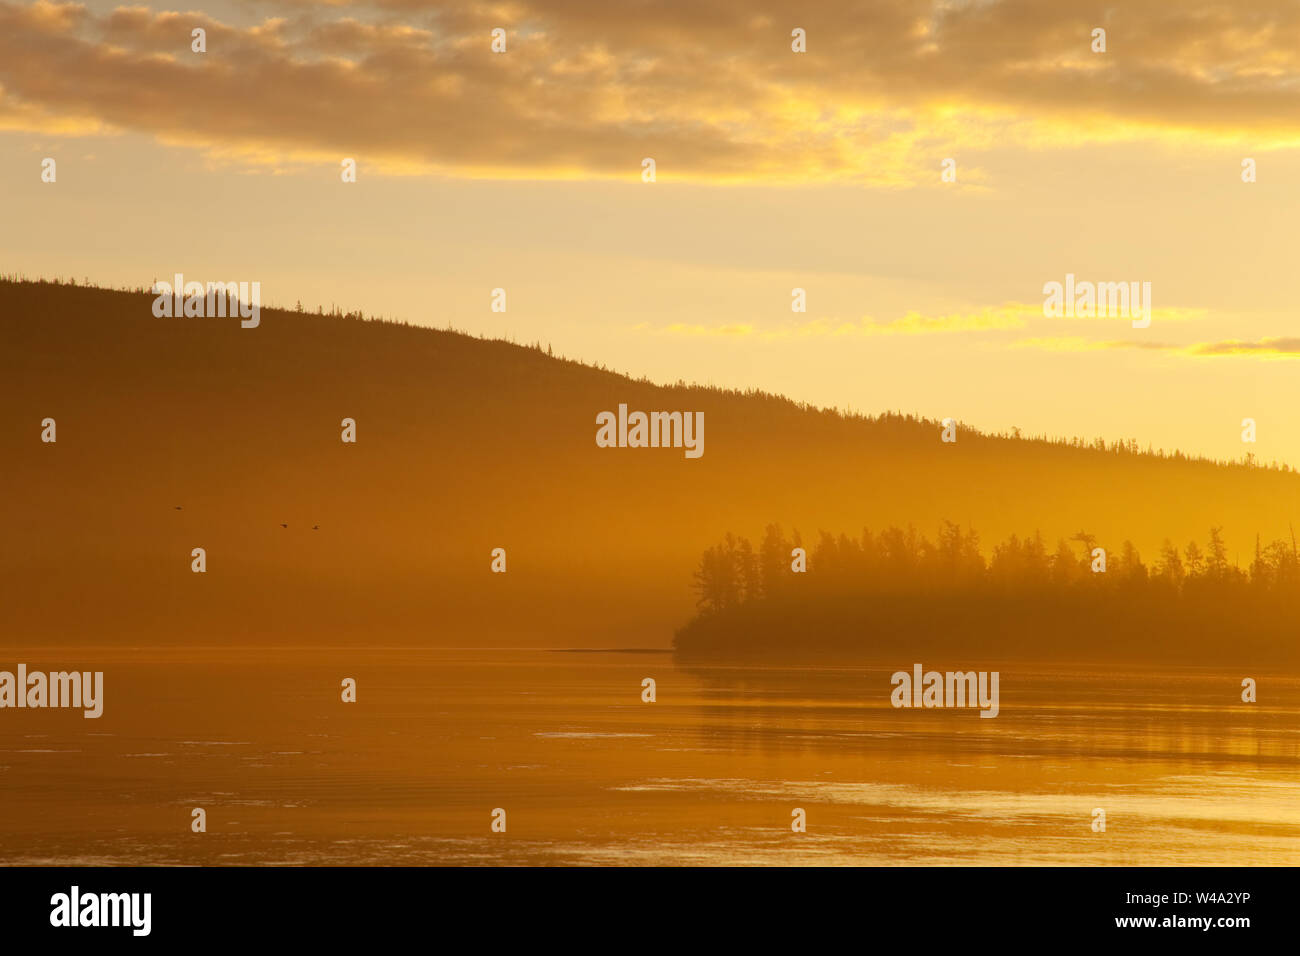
901 577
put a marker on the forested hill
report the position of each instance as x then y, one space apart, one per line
899 592
183 433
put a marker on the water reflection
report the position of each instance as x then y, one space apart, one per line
588 773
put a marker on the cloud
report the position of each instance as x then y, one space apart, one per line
1004 317
1268 348
1074 343
1265 348
709 88
1010 316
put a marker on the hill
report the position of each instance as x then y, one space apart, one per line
465 445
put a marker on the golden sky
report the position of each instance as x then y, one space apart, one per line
775 170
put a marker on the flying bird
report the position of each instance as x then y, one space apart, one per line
315 527
284 526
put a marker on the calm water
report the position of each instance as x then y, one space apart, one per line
587 773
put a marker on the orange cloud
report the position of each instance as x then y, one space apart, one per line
709 88
1008 316
1268 348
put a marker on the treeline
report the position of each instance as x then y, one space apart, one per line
1080 599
